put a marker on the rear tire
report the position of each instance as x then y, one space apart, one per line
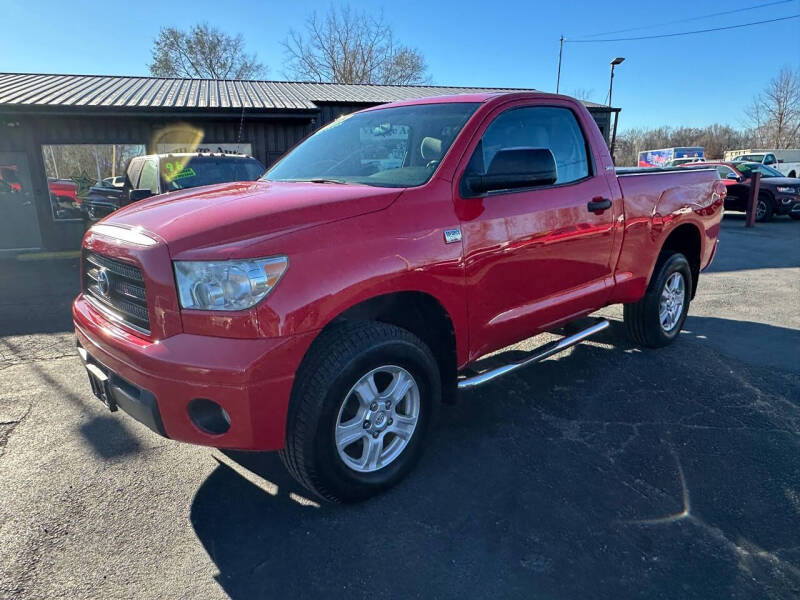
656 319
341 392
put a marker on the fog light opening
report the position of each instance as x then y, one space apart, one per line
209 416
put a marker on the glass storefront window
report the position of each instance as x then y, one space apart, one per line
75 171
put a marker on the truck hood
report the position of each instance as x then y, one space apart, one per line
234 212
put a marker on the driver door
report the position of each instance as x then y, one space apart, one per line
535 257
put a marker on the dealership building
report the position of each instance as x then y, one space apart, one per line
72 131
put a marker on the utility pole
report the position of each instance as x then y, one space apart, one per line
560 50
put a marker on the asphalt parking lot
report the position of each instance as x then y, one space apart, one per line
606 472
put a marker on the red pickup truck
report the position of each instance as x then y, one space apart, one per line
328 308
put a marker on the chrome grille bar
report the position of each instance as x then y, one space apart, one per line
118 288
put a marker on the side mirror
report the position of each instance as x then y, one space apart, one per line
733 178
514 168
139 194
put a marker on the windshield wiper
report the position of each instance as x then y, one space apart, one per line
321 180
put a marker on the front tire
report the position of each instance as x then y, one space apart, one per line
657 318
764 208
363 404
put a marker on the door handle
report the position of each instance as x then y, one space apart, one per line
598 205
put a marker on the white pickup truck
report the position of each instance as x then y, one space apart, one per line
785 161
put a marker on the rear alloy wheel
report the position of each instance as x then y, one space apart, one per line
657 318
673 296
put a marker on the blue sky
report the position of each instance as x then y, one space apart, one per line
691 80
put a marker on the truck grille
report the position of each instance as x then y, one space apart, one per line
117 288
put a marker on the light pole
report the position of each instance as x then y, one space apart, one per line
617 61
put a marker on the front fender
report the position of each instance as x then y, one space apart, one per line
339 265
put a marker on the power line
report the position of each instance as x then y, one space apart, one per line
698 18
666 35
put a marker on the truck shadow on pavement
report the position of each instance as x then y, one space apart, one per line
106 434
610 472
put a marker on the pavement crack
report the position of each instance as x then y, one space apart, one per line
8 427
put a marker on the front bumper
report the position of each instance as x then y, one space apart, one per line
785 204
250 378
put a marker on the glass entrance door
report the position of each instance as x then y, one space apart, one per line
19 226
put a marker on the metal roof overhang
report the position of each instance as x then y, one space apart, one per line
156 112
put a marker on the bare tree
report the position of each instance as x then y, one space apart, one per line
774 114
204 52
583 94
347 46
715 139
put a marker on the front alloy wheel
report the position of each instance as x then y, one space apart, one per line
761 210
764 208
363 403
377 418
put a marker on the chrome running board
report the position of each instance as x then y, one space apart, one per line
536 355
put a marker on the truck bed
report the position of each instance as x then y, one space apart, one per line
623 171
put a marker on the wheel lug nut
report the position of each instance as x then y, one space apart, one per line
390 421
375 434
388 405
374 406
366 424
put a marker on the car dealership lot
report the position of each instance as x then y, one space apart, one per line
605 472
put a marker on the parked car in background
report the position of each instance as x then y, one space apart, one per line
667 156
65 190
777 195
64 200
117 181
9 177
155 174
785 161
327 309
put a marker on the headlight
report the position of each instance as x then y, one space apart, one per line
786 189
227 284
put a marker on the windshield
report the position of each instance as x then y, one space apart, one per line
180 174
389 147
748 169
749 158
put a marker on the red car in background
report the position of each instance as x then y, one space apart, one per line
777 195
64 200
64 189
8 175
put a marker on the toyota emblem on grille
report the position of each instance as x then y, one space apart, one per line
103 282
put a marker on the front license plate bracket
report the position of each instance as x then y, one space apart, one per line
100 386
